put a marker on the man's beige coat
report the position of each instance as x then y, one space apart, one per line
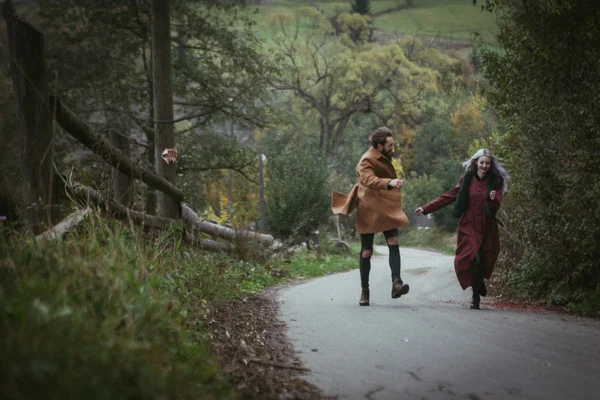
379 208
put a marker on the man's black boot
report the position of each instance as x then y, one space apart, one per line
399 288
364 297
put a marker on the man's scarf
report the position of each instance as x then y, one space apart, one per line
462 200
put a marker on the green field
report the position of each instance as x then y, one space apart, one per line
447 19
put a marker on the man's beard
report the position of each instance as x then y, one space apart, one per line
387 154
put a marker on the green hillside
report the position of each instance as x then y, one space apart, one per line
447 19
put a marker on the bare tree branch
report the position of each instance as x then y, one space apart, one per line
95 142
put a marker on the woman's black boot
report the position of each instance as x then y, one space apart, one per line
475 300
477 274
478 283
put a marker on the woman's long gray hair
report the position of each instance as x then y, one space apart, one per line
496 167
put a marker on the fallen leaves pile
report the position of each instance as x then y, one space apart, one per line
251 345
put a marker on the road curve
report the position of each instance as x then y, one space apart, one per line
429 345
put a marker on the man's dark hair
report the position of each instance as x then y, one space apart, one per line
380 136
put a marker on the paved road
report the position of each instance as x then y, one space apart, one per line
429 345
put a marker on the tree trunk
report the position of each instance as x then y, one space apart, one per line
261 194
230 183
8 9
325 131
34 122
151 206
151 193
338 134
163 102
229 194
122 184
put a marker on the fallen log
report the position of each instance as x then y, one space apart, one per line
65 225
86 194
81 131
192 220
189 217
207 244
213 245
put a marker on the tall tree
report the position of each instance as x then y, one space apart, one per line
261 193
546 87
164 138
218 70
362 7
338 79
10 196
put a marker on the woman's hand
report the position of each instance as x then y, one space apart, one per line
493 195
419 211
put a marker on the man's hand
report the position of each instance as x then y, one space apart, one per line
396 183
493 195
419 211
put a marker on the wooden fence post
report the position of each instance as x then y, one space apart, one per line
34 122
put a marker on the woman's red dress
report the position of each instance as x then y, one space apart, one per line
475 229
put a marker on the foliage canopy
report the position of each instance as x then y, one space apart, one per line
339 77
546 88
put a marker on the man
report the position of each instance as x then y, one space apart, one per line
379 206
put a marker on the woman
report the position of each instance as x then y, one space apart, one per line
477 197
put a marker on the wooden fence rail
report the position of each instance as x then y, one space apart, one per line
94 141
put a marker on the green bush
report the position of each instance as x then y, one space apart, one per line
418 191
545 87
297 196
438 172
532 279
432 146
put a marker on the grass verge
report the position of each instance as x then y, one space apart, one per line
429 238
110 313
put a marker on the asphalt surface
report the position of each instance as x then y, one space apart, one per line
429 345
